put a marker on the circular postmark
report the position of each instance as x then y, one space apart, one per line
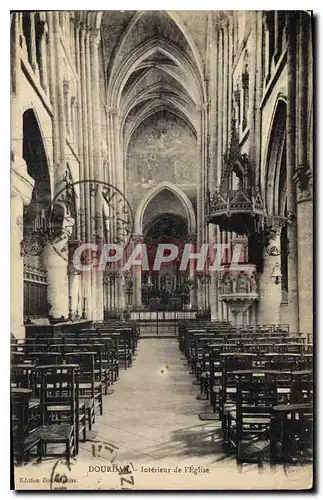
106 217
103 216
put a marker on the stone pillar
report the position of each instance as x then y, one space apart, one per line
290 170
21 192
305 259
74 282
121 292
85 174
90 164
56 258
191 275
97 164
137 274
17 267
21 186
269 307
303 180
74 285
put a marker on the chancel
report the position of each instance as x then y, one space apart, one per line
161 244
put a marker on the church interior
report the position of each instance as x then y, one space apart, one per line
173 130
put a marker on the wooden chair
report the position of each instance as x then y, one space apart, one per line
291 433
101 371
125 348
113 350
249 423
302 386
90 383
231 361
214 385
23 376
24 439
62 414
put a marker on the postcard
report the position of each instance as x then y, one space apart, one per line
161 250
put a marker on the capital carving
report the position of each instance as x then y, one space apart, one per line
94 34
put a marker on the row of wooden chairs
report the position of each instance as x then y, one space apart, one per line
57 387
233 372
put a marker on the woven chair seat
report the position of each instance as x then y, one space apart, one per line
56 433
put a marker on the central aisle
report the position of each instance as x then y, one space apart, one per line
153 414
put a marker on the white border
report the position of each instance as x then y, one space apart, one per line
5 179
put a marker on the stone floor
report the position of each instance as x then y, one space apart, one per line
151 425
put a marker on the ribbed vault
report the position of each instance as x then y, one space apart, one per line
154 66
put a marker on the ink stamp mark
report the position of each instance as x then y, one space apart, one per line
61 476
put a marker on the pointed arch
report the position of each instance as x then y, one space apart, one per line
274 172
35 154
191 219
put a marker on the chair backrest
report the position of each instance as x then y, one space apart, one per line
63 348
44 358
302 386
58 388
23 376
86 363
256 395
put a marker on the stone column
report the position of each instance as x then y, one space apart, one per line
303 180
213 149
305 256
137 272
21 192
74 293
121 292
97 164
21 187
290 170
90 164
56 258
269 307
85 170
17 266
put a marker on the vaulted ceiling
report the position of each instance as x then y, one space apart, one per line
154 61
